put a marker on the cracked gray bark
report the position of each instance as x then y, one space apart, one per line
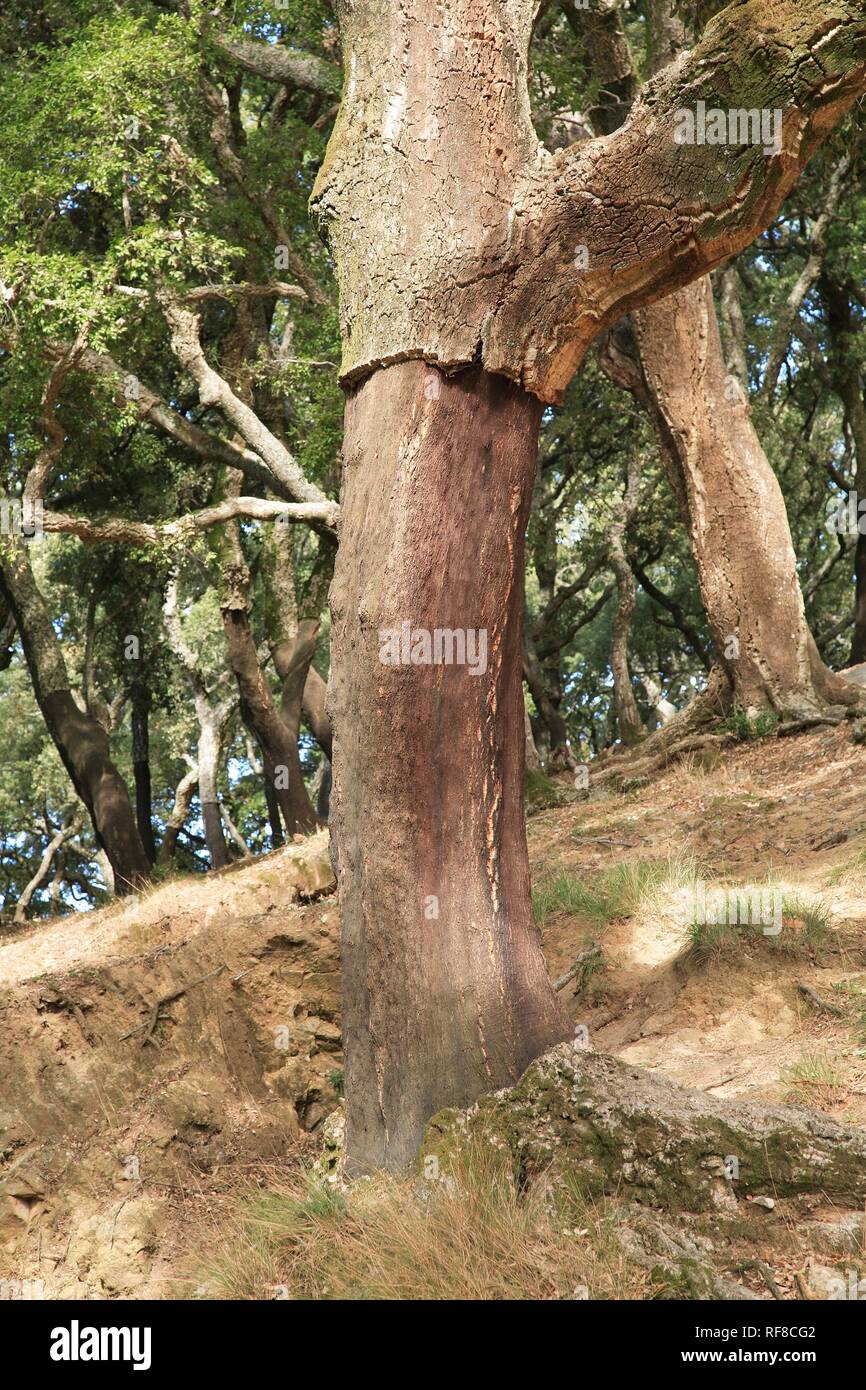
445 214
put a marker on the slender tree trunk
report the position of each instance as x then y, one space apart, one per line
209 749
70 827
549 715
182 799
141 770
848 381
629 722
278 742
445 990
741 540
269 780
80 739
292 660
314 705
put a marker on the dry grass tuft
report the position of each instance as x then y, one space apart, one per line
474 1237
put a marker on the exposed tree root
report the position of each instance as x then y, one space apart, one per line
689 730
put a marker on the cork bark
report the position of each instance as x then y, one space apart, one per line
458 237
445 989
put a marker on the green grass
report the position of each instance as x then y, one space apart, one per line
480 1235
610 895
746 729
814 1081
855 869
805 924
853 992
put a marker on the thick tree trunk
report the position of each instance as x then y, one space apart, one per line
80 739
445 990
459 240
741 540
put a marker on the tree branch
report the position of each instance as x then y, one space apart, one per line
289 66
120 531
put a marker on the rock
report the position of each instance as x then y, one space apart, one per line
114 1250
310 871
766 1202
845 1235
618 1129
330 1164
834 1285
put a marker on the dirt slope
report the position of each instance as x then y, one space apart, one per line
115 1115
124 1128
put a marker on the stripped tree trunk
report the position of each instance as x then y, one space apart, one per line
460 241
445 991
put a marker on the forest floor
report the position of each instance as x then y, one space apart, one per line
132 1131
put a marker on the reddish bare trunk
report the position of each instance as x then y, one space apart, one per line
445 990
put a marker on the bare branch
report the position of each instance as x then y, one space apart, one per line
120 531
214 390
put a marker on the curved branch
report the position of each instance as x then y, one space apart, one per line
120 531
214 390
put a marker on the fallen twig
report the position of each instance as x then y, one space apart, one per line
823 1005
593 949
